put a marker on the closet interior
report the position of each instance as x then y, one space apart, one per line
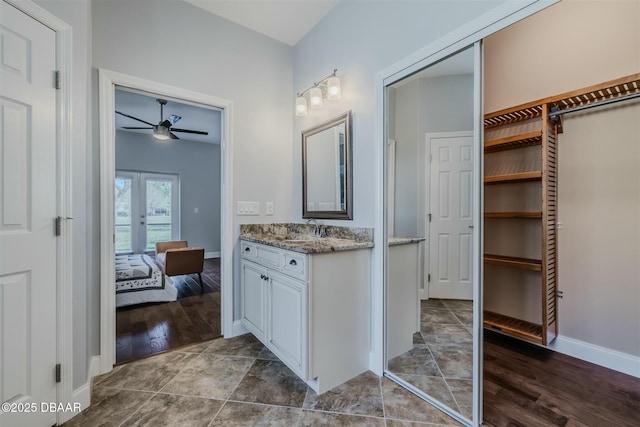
520 208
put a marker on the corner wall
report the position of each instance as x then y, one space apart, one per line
568 46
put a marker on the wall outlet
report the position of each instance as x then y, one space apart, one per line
248 208
268 208
195 210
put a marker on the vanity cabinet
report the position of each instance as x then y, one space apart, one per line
310 310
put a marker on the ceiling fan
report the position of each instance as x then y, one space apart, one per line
163 130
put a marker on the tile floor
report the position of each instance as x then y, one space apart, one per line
238 382
440 362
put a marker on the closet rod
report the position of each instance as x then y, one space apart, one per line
555 111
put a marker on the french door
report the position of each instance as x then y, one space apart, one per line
146 210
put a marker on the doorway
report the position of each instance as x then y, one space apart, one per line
109 82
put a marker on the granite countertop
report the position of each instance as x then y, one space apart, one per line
300 238
404 240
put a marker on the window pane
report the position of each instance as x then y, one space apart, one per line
123 214
158 212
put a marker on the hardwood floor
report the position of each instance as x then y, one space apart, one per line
146 329
526 385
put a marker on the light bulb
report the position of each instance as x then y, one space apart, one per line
301 106
315 96
333 88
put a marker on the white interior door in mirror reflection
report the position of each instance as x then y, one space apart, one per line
325 170
451 207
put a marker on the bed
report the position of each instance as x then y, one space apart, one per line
139 280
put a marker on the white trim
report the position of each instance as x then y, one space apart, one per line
108 80
238 328
209 255
64 322
82 394
496 19
602 356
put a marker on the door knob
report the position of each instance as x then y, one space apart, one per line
141 222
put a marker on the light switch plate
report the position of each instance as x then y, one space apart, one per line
248 208
268 208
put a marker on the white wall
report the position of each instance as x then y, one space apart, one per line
434 104
361 38
570 45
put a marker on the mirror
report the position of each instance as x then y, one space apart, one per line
326 170
431 286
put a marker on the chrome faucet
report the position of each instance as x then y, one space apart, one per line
318 229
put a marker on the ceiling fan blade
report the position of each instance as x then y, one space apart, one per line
172 135
134 118
130 127
197 132
174 119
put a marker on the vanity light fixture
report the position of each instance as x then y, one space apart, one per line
327 87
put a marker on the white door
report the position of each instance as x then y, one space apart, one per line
27 218
450 218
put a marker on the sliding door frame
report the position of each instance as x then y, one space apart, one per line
465 36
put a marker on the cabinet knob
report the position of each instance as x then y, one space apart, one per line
247 249
293 262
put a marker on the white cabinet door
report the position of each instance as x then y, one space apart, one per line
287 311
253 289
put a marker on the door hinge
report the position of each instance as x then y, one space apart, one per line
57 79
58 225
430 158
428 277
429 217
58 373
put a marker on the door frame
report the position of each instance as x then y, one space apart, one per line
466 35
426 256
108 80
64 166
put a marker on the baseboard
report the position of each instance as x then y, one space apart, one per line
82 394
208 255
605 357
238 329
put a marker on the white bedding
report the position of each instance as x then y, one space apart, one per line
139 280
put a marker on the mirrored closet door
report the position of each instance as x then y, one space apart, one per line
433 197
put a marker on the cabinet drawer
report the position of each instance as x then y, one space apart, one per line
248 250
268 256
294 264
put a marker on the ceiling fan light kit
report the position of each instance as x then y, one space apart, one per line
163 131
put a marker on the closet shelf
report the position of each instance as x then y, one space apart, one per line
512 326
510 261
513 177
516 141
534 215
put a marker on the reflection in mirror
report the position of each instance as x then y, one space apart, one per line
326 173
429 298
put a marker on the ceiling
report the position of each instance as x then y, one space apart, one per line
284 20
144 106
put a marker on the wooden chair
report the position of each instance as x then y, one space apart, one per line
176 258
